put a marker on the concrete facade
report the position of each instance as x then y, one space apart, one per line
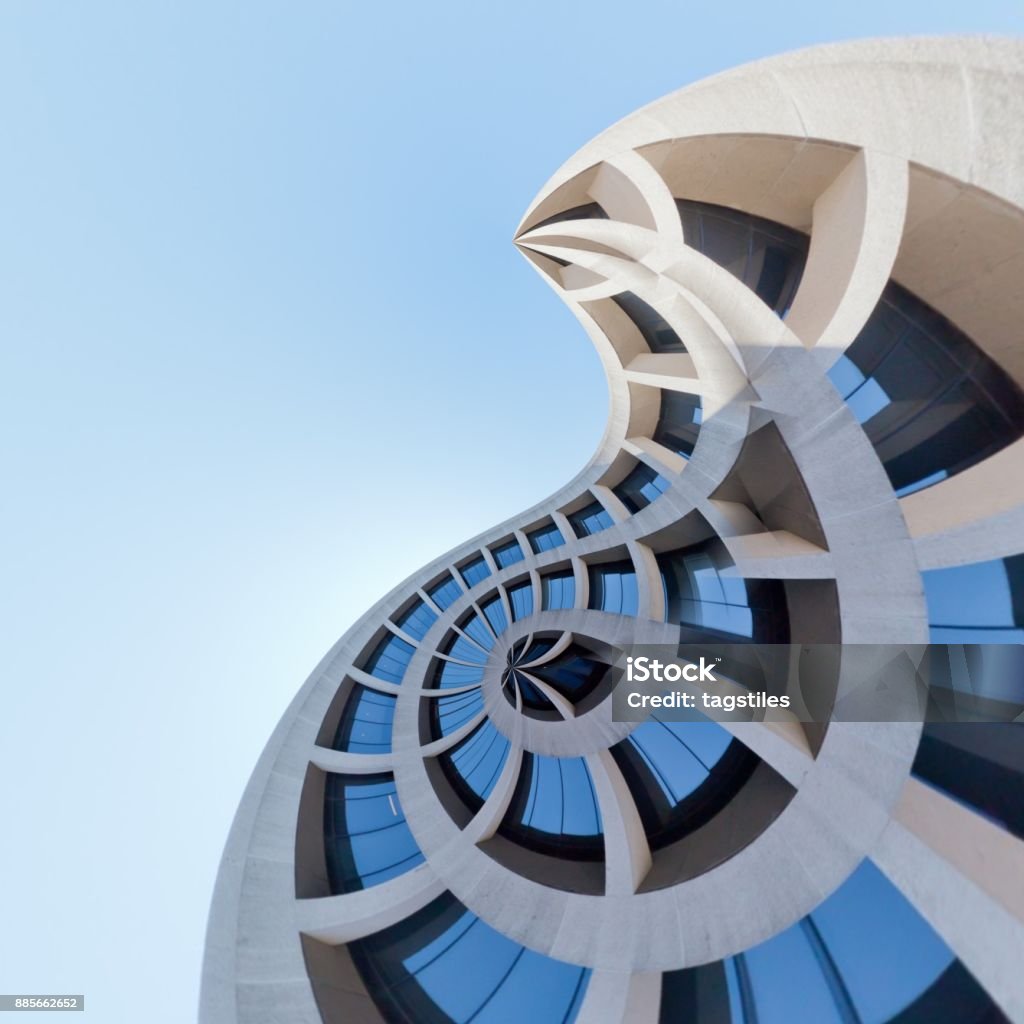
903 160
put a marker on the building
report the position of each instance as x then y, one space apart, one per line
804 280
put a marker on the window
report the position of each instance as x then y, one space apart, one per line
767 257
521 599
640 488
475 571
701 598
445 965
681 774
613 588
507 554
494 612
416 620
545 538
448 675
650 323
473 626
367 840
473 766
679 423
365 725
864 955
558 590
591 519
978 603
554 809
389 659
931 402
451 713
445 592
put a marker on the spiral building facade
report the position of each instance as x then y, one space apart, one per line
803 278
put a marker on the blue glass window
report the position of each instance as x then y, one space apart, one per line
474 627
474 765
365 725
445 593
700 598
660 337
554 809
931 402
978 603
681 774
389 659
558 590
494 611
521 599
507 554
448 675
445 965
640 488
475 571
613 588
592 519
679 423
367 840
545 538
450 713
864 956
416 620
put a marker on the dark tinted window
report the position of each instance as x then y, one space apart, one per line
642 486
365 725
591 519
508 554
679 423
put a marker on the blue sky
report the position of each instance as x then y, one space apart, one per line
259 313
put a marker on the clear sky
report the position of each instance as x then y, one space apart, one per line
265 349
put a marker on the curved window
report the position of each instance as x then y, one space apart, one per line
445 965
475 571
520 597
545 538
767 257
864 956
613 588
445 593
554 809
475 628
416 620
978 603
931 402
389 659
558 590
660 337
592 519
367 840
474 765
507 554
449 675
451 713
494 612
681 774
365 725
700 597
640 488
679 423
